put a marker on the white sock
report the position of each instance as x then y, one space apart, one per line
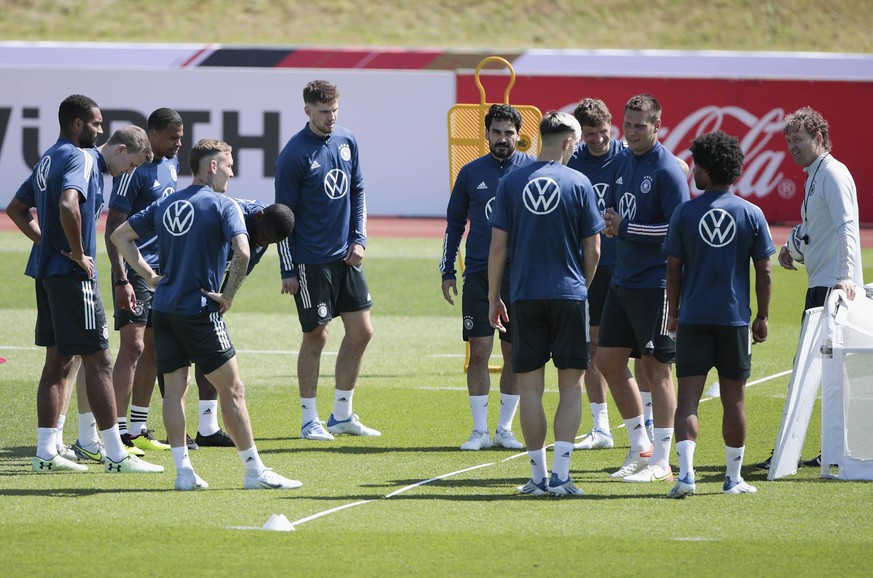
508 405
309 410
479 407
734 462
685 454
600 413
251 460
636 433
647 406
112 443
661 451
45 443
88 430
342 404
561 460
208 417
180 456
538 470
122 425
59 435
139 415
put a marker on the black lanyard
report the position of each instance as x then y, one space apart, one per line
808 194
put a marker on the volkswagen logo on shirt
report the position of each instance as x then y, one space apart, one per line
627 206
489 206
336 184
45 165
600 189
542 195
717 228
178 218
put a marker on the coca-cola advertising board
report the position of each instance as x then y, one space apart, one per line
751 110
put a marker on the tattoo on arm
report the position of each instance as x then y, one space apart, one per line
236 270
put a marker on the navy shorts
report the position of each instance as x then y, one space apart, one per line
144 295
549 328
637 319
183 339
474 305
597 290
329 290
727 348
70 315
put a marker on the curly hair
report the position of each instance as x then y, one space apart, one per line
810 121
592 112
720 155
503 112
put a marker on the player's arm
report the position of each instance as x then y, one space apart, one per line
236 273
124 237
841 206
20 214
591 255
762 294
497 312
456 221
674 290
358 226
287 187
124 295
71 222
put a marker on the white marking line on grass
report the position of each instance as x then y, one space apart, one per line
748 385
331 511
15 348
392 494
415 485
277 352
697 539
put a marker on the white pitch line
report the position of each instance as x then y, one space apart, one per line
748 385
415 485
331 511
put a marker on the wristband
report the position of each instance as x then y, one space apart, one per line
761 317
122 282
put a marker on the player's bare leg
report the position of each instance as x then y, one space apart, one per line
358 333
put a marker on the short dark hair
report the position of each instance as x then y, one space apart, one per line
645 103
277 222
503 112
164 117
320 91
720 155
73 107
592 112
812 122
206 148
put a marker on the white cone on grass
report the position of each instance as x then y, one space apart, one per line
278 523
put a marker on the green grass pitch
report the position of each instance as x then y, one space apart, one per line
412 387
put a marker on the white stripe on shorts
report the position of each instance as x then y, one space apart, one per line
220 329
304 287
88 301
664 314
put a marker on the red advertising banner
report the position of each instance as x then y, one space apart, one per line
751 110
